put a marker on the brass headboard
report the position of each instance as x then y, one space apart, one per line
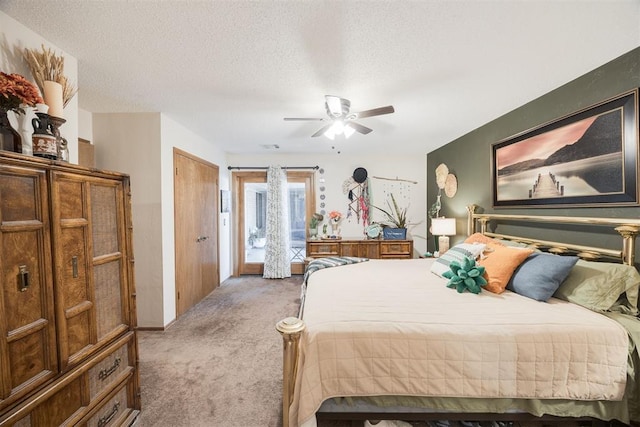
628 228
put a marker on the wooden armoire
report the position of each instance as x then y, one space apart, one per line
68 346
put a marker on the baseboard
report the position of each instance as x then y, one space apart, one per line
156 328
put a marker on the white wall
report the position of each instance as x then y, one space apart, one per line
130 143
85 125
338 168
141 145
14 38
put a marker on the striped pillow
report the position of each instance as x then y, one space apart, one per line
456 253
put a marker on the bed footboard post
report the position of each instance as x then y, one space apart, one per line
290 328
629 234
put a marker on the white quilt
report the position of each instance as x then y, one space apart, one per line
391 327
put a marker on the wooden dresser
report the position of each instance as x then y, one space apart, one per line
375 249
68 346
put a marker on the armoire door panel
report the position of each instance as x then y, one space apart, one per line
72 264
27 319
28 356
19 197
105 207
69 198
109 311
77 336
24 286
109 268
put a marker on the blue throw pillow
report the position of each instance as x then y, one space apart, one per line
540 275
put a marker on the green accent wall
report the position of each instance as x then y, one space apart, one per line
469 157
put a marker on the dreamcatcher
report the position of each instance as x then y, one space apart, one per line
356 187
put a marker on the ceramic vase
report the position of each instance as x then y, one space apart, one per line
335 228
25 129
44 141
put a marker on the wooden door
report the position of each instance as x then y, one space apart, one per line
196 232
28 357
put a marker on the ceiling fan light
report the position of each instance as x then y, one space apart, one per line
330 133
348 130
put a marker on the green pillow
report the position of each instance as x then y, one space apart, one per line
602 286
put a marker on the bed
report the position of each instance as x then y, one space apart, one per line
388 339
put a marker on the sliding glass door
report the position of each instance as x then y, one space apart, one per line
250 191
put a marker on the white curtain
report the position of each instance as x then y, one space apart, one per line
277 264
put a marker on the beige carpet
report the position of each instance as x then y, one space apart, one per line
220 365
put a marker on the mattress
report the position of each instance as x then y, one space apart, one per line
393 328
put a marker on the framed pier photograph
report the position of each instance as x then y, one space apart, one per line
587 158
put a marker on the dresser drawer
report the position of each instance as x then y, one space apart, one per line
391 249
112 366
118 409
323 249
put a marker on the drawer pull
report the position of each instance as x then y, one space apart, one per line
108 371
74 265
24 278
103 421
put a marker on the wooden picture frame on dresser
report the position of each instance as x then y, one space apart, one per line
68 345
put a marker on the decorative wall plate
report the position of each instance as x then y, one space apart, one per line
451 185
441 175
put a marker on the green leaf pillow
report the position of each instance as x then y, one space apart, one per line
465 275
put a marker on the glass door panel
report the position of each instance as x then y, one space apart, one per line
251 191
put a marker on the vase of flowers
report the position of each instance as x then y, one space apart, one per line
16 93
334 221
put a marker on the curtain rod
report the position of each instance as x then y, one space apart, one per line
267 167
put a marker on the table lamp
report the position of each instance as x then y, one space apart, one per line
443 228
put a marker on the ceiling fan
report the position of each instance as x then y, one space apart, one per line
341 120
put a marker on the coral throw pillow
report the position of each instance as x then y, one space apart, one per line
500 262
481 238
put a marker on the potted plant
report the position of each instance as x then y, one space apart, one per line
313 224
395 223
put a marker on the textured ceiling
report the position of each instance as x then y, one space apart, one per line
232 70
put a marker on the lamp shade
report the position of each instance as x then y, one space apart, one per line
443 226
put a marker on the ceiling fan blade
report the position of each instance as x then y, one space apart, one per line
297 119
322 130
359 128
375 112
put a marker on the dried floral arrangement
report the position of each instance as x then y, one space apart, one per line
15 90
46 65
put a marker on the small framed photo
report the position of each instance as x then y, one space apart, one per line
224 201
